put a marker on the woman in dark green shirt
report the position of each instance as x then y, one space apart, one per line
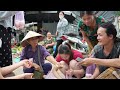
88 26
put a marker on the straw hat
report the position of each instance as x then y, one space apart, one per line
29 35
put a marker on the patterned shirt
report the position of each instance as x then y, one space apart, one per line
48 42
61 27
92 34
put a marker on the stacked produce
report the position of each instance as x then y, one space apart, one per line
16 51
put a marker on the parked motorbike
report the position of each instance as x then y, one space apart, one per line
76 42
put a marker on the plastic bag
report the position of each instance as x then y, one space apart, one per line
19 21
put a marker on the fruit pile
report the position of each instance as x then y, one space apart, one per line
16 51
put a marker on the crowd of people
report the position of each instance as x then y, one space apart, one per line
64 62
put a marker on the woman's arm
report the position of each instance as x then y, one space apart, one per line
86 39
36 66
52 60
51 44
56 33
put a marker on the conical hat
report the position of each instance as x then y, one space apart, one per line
30 34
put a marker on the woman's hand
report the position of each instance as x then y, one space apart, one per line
46 46
58 65
36 66
27 63
86 62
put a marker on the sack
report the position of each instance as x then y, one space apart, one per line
50 75
38 74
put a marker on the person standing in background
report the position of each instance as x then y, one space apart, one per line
60 30
6 25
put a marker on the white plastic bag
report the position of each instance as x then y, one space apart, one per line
19 21
0 43
50 75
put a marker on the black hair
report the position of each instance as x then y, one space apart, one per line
42 31
39 31
82 13
65 49
62 12
110 30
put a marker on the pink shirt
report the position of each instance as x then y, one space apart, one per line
75 55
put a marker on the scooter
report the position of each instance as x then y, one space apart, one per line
76 43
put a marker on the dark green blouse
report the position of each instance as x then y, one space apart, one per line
92 34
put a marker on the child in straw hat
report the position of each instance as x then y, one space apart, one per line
30 42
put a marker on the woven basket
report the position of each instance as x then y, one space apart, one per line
107 74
